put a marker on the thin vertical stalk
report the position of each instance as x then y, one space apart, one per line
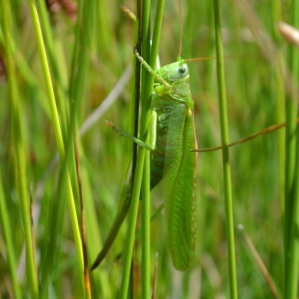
58 133
19 151
291 220
77 93
145 217
146 174
280 95
8 240
225 153
47 76
87 288
146 90
56 63
145 104
77 90
132 216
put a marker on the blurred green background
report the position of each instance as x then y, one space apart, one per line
255 95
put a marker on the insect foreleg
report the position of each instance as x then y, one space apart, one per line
151 134
147 66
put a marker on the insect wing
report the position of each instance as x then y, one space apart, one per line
179 186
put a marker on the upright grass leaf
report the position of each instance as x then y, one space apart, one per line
77 92
225 154
56 213
148 78
58 134
280 93
57 65
10 247
19 150
132 216
291 217
145 191
146 90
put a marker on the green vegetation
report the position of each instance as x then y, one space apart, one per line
59 66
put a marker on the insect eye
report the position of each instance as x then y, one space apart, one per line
182 70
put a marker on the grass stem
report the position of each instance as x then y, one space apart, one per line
225 154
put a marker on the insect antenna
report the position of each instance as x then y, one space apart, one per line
200 58
214 57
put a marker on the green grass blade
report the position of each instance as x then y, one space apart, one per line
145 229
132 216
147 85
146 263
291 217
58 132
19 151
225 154
47 76
10 247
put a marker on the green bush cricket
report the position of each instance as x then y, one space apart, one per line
174 150
172 138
